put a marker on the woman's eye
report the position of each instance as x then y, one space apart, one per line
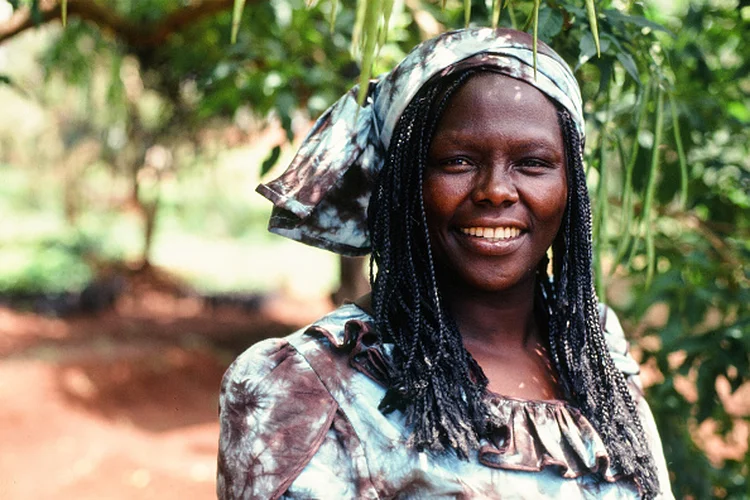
534 163
455 164
457 161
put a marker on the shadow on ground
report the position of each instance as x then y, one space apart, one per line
122 403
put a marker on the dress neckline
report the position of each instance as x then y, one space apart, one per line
523 434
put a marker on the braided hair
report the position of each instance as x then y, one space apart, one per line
434 381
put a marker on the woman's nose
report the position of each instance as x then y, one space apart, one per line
495 187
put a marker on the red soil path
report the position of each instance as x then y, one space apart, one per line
122 405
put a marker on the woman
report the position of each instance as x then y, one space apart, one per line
469 372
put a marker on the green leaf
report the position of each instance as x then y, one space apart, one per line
627 197
359 24
550 23
239 6
606 40
36 12
332 19
606 71
575 10
64 12
497 9
680 153
739 110
511 14
387 12
535 14
285 106
591 11
621 18
270 160
586 49
651 186
368 47
628 63
706 385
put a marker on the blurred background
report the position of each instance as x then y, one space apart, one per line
135 264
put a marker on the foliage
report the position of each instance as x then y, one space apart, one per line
704 248
45 267
372 23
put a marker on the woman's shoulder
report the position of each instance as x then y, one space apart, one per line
617 344
287 356
275 410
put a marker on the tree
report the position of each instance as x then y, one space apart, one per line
193 83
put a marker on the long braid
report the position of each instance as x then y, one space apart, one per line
579 349
435 382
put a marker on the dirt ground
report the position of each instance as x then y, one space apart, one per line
123 404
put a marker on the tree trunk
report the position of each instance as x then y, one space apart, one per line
149 211
352 279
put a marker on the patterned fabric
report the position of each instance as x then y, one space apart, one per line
300 419
322 198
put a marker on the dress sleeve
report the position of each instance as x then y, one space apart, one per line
274 415
338 470
618 348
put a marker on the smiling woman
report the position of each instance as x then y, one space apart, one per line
470 372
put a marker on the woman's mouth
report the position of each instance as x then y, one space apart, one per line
492 233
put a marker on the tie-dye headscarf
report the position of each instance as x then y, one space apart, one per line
322 198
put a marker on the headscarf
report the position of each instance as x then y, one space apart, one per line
322 198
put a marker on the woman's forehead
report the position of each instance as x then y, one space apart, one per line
497 95
493 106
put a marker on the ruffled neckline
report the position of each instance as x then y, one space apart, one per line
530 435
525 435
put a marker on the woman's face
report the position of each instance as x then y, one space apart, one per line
495 187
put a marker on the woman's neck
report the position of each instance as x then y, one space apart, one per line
503 334
495 319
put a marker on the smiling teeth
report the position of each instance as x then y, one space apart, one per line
492 233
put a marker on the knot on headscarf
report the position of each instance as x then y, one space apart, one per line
322 197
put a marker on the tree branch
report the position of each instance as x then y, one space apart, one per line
132 33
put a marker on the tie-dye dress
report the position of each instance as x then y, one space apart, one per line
300 419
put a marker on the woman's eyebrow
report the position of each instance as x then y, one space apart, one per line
540 145
460 138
